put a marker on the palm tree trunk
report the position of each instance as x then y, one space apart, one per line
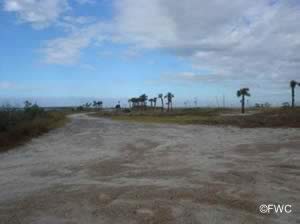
243 104
162 104
293 97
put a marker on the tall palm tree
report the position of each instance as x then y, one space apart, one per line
143 99
169 98
293 85
155 100
134 102
242 93
151 102
100 104
161 97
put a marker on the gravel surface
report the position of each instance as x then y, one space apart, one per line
96 170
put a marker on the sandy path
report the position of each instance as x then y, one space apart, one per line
102 171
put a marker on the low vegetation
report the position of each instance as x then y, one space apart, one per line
260 116
18 125
278 117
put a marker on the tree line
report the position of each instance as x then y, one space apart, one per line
159 101
141 102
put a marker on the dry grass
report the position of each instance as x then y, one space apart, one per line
24 129
286 118
255 118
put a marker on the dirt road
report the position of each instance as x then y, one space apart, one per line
101 171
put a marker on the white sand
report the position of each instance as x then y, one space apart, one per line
101 171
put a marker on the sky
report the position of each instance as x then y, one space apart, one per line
62 52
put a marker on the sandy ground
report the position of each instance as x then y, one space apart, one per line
101 171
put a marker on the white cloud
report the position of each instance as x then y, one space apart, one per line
67 50
238 39
234 80
39 13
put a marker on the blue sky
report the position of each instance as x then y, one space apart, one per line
63 49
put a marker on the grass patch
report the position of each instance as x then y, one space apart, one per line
19 126
178 116
273 118
178 119
207 116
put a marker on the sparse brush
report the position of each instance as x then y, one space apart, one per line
19 125
267 117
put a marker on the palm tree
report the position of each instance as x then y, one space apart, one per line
136 101
155 100
100 104
97 104
169 97
242 93
293 85
143 99
133 101
129 102
161 97
151 102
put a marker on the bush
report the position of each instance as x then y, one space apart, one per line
34 111
18 125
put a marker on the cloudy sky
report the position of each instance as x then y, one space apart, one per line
123 48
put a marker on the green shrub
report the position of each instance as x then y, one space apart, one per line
18 125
